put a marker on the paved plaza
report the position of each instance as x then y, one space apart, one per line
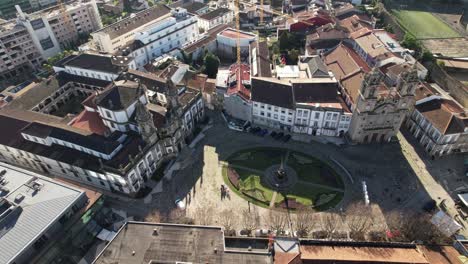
397 176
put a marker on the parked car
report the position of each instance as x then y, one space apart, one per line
279 135
273 134
263 132
254 130
286 138
262 233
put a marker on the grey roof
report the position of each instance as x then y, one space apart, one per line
38 210
273 92
171 243
119 96
316 66
190 6
133 22
93 62
215 13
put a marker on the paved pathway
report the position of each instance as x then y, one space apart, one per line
320 186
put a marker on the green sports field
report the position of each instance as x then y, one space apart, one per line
424 25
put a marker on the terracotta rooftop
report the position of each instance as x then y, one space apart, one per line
424 90
241 76
373 46
348 68
445 115
360 253
90 121
354 23
441 254
232 33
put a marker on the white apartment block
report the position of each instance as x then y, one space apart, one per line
116 36
164 34
216 17
311 106
52 29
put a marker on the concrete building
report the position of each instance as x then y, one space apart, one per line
216 17
18 52
33 210
173 243
227 43
119 135
52 29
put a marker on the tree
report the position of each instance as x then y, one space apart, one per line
284 41
329 222
54 59
293 56
277 221
226 220
359 220
410 42
411 227
204 216
304 222
249 220
211 62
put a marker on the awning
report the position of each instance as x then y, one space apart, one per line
464 198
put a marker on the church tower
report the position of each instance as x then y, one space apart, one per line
407 82
144 120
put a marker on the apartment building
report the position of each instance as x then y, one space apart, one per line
171 31
310 106
17 51
52 29
119 34
216 17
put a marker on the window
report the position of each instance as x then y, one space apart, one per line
328 115
88 178
108 114
327 124
269 107
262 113
315 124
275 116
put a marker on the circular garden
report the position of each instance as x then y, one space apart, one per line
308 182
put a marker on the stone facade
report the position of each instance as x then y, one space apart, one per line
380 110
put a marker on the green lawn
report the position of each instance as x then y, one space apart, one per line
257 158
309 169
424 25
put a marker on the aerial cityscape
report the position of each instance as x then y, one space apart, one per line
233 131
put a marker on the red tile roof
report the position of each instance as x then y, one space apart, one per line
90 121
241 76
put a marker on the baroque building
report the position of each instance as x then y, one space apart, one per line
380 110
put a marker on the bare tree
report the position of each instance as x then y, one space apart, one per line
226 220
277 221
154 217
329 222
304 222
410 227
249 220
204 216
359 220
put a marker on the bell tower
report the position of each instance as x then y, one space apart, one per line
370 84
144 119
408 81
